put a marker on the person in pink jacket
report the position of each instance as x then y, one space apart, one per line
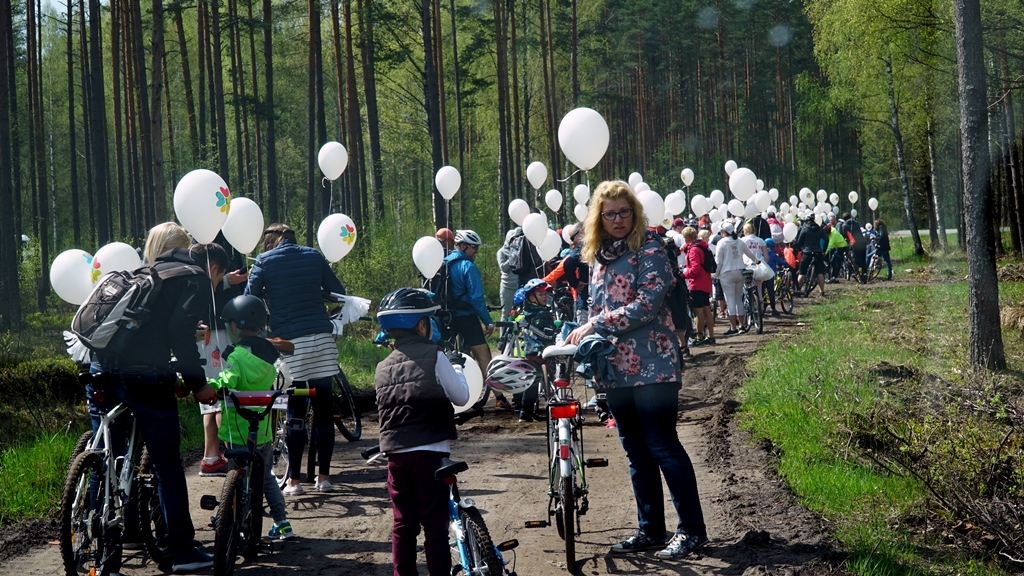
698 280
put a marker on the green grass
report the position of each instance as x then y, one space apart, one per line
809 390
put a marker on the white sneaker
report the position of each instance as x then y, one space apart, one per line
323 486
295 490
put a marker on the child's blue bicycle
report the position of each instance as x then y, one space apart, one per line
477 554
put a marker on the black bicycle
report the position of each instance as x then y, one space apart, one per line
816 268
752 317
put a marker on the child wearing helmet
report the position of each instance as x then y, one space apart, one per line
249 366
539 333
416 386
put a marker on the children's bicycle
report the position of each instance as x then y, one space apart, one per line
752 317
238 524
568 493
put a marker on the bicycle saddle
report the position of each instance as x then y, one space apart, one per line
563 350
450 468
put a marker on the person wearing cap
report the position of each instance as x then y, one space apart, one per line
678 224
446 238
729 256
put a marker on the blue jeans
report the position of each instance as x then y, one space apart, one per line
646 419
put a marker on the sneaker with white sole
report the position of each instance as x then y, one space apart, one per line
281 531
323 486
295 490
681 544
637 542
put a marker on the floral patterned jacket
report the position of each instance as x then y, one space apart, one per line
628 307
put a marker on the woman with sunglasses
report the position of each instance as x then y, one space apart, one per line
630 277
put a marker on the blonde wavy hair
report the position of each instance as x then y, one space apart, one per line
164 237
594 233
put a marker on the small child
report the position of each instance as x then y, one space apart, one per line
416 386
249 366
539 333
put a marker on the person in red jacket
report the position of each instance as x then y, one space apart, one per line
698 280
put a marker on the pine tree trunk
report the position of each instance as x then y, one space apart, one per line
986 340
33 37
218 92
356 190
156 128
145 117
366 48
237 99
10 302
203 36
313 7
256 98
268 106
116 52
345 202
76 218
933 174
186 74
901 160
135 178
83 70
431 106
503 121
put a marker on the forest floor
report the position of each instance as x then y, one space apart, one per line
755 524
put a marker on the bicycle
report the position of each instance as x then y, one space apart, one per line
105 492
874 262
567 481
784 289
238 524
816 268
752 317
473 551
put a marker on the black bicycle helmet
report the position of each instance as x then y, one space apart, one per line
248 312
404 307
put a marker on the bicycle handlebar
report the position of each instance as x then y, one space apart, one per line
263 397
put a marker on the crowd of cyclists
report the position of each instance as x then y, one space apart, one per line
651 292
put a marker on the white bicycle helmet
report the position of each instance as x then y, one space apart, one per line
467 237
510 375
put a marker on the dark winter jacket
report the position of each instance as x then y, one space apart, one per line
411 404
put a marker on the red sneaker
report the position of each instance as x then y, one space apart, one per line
218 468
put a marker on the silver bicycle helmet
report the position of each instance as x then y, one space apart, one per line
467 237
510 375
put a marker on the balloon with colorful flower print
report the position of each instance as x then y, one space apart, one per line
71 275
336 235
201 203
114 257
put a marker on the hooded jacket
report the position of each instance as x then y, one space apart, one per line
467 286
696 276
248 366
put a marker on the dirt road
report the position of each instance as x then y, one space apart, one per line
753 522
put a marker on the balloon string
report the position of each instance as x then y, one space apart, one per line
330 203
573 174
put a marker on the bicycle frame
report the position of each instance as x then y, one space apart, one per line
124 475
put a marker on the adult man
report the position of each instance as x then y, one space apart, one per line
810 240
142 378
467 287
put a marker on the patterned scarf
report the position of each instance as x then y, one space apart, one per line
611 250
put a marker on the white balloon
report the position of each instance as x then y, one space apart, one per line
634 179
773 194
333 159
789 231
553 199
819 208
666 221
789 217
822 196
475 381
583 137
868 226
448 181
793 200
687 176
762 200
654 206
551 246
873 203
535 226
773 209
581 212
71 275
853 197
760 184
581 193
749 211
736 207
784 207
517 210
730 167
336 235
537 174
716 227
565 235
116 257
676 203
717 198
833 198
640 187
743 183
699 205
807 196
853 212
715 215
428 254
244 225
802 206
201 203
826 207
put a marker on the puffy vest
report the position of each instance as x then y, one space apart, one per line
411 403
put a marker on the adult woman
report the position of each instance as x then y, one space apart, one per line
293 280
882 245
729 256
164 237
630 277
699 281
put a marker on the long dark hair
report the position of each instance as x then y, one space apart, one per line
274 233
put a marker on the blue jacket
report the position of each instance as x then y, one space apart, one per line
293 280
775 261
467 286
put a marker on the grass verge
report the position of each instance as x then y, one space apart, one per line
823 396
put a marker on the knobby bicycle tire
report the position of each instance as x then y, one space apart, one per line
483 556
280 464
568 498
227 538
80 446
757 319
81 537
253 520
346 415
152 523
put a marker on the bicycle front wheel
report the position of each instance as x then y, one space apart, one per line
480 551
785 296
81 523
756 319
280 464
346 415
228 536
252 519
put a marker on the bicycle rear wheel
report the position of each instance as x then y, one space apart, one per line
756 319
480 550
228 535
81 524
785 296
346 415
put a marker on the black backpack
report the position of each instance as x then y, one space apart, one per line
710 266
120 304
678 296
441 286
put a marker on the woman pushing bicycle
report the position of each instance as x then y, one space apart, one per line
416 386
630 277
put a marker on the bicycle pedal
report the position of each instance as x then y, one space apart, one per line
456 569
213 522
596 463
208 502
508 545
266 546
537 524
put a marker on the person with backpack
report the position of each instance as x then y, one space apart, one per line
141 376
700 264
524 258
509 279
292 280
466 286
858 246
